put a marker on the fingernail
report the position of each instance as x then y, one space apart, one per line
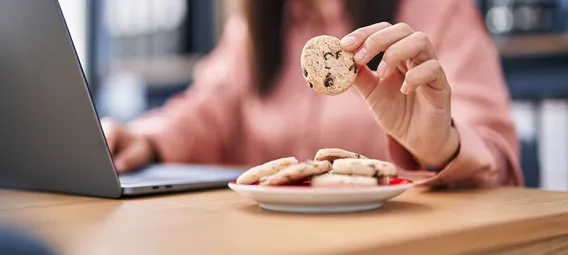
404 88
360 55
347 41
382 69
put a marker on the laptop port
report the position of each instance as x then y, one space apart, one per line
168 186
155 187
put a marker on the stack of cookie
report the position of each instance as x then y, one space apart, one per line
330 168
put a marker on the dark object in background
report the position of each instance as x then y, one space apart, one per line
530 163
537 77
524 17
157 96
13 242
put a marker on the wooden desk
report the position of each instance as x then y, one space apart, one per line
221 222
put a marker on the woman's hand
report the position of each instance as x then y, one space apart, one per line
129 150
408 95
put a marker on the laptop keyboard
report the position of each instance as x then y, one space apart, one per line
136 179
172 174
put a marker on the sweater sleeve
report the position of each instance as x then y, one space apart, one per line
201 124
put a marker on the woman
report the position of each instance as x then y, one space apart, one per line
437 102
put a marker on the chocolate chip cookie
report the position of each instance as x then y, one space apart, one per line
339 180
381 170
331 154
326 67
254 174
295 173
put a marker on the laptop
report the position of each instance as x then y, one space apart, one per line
50 135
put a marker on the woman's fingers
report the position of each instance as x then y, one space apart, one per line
399 43
366 81
380 41
354 40
132 156
428 73
416 46
112 132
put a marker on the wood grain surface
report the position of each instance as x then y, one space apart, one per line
221 222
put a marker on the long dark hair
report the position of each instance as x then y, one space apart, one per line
265 20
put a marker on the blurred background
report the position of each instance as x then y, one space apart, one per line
138 53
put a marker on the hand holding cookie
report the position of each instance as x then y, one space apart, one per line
409 94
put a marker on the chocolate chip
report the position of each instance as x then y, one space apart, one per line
337 54
327 53
305 72
311 85
327 67
353 67
328 82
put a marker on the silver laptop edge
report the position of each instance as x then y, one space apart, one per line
50 135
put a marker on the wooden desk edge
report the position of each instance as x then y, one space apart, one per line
481 240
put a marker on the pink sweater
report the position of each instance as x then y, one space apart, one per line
219 120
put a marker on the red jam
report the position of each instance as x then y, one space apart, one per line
396 181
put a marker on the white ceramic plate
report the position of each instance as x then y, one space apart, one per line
305 199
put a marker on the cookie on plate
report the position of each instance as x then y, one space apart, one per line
381 170
296 173
326 67
331 154
339 180
254 174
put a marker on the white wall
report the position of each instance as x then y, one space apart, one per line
75 13
553 138
547 122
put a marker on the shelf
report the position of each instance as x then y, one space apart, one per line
158 71
531 45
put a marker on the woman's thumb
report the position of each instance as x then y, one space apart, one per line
366 81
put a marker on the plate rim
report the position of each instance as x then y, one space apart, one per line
320 190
